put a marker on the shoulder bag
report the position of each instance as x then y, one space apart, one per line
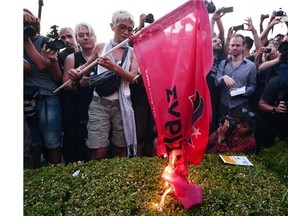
108 82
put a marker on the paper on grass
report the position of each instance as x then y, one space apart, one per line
236 160
237 91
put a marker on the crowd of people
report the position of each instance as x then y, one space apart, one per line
248 88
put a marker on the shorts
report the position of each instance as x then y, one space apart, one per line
46 125
105 124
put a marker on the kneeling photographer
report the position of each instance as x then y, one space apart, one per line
234 135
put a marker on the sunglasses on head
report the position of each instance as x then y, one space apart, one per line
251 114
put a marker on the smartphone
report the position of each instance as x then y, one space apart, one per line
228 9
239 27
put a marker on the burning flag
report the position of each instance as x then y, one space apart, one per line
175 54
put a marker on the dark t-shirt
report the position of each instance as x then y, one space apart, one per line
210 79
271 92
62 56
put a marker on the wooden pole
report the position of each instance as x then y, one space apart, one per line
85 70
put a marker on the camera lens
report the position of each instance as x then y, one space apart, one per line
55 44
29 31
268 50
59 44
149 18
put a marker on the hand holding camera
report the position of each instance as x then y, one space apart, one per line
268 49
282 107
223 129
280 13
226 125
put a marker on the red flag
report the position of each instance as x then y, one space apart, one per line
175 54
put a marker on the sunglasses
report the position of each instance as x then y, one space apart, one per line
251 114
124 28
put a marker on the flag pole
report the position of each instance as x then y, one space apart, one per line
84 70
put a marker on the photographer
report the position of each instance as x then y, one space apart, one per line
145 125
234 135
262 58
274 20
39 83
273 105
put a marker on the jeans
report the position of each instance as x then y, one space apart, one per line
46 125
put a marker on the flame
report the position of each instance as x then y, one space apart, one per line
167 171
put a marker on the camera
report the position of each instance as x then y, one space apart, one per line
285 103
211 8
55 44
29 31
239 27
265 16
268 50
231 120
149 18
280 12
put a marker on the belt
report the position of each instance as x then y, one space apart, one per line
106 102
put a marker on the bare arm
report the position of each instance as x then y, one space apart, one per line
39 60
227 42
141 22
74 73
264 34
250 27
68 64
279 108
216 17
54 65
268 64
110 65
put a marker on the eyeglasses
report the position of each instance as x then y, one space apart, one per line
124 28
251 114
